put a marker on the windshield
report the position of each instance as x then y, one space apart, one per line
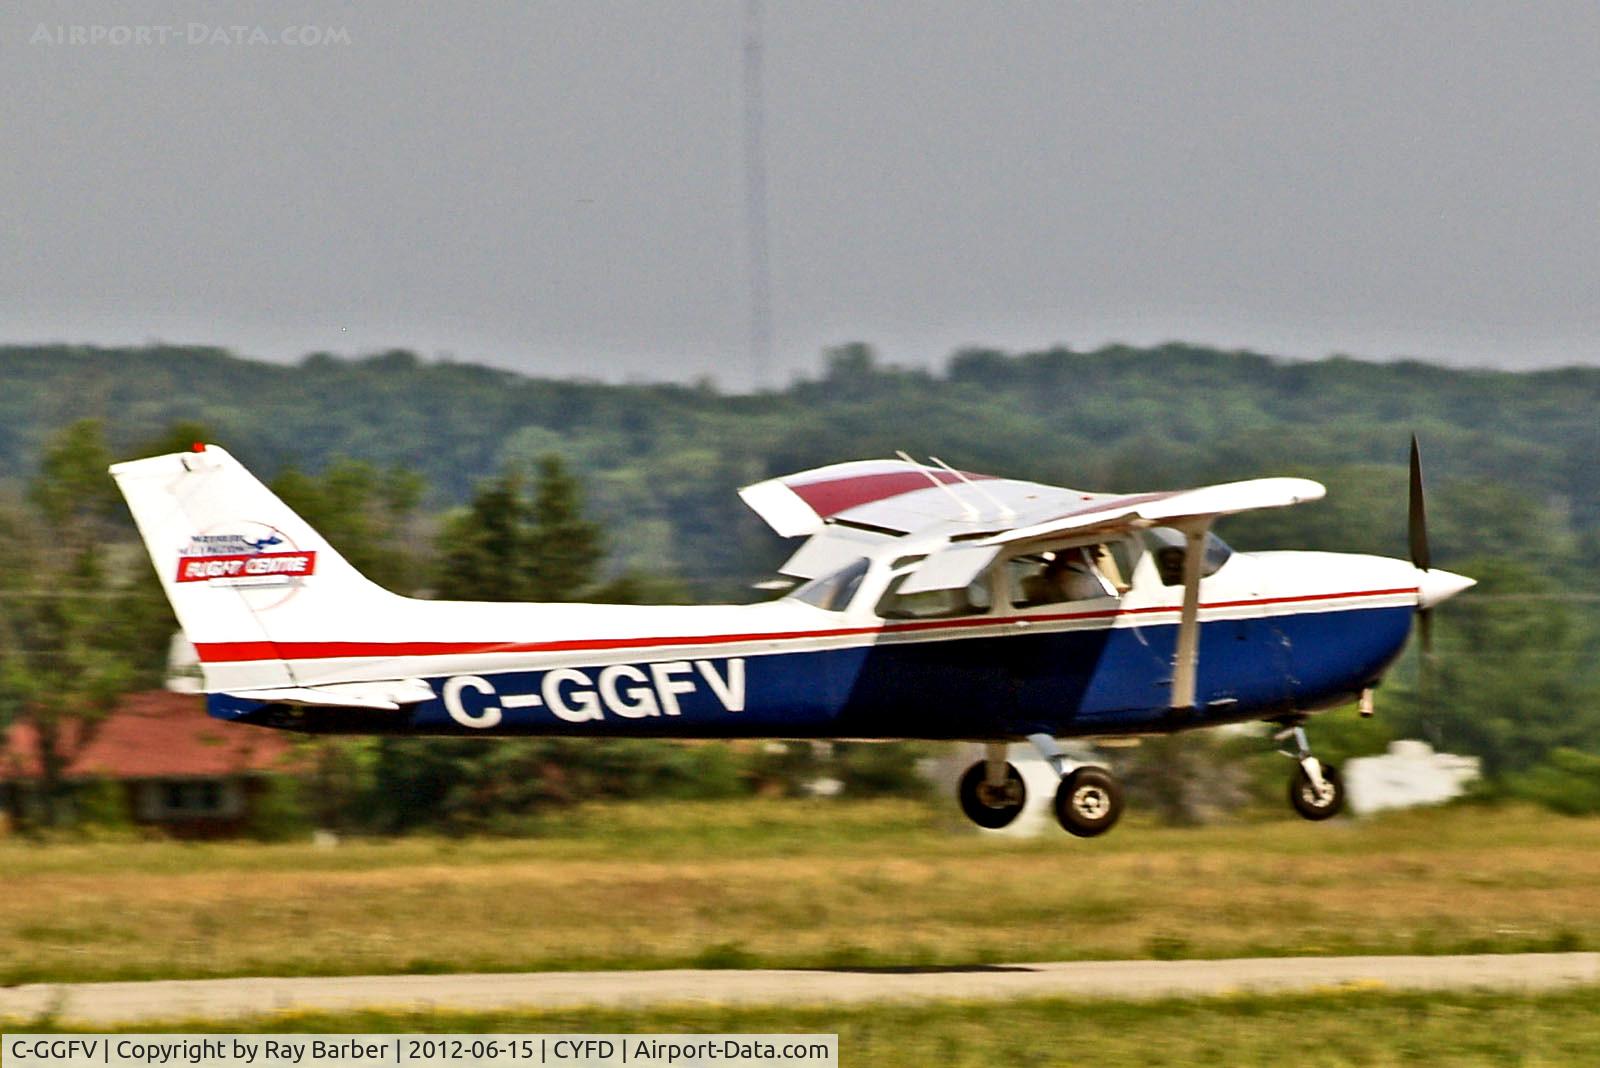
834 591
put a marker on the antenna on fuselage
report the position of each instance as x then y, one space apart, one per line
1005 510
970 512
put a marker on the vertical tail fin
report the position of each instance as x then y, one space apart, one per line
242 570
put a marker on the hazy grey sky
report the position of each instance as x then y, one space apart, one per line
557 187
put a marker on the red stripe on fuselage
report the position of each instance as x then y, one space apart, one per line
230 652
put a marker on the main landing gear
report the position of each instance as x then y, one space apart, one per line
1316 789
1088 799
992 791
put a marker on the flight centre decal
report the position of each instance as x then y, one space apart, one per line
248 554
578 695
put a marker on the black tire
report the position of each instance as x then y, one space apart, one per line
987 807
1088 802
1304 797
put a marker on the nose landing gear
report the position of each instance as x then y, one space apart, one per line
1316 790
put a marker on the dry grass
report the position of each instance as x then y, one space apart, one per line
1334 1028
799 884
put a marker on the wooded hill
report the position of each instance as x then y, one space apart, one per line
1511 458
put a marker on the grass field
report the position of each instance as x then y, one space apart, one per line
1362 1027
798 883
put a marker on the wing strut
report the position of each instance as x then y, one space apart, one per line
1187 657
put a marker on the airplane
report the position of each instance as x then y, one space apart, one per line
933 604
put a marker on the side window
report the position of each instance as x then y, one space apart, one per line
1167 550
833 592
1062 575
1026 581
934 604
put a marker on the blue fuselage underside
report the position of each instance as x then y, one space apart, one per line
1078 682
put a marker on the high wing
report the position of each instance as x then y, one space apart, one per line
900 497
1177 508
848 509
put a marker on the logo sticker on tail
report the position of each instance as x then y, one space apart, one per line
253 554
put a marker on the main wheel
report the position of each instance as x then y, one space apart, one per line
1316 804
988 806
1088 802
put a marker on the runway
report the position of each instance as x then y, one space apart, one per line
111 1004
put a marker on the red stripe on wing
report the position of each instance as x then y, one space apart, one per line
831 496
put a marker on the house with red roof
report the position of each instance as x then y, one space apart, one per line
177 768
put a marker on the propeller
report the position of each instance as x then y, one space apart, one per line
1433 585
1417 532
1422 560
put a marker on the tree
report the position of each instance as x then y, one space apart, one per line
1512 679
564 549
1567 781
1187 779
61 668
483 550
366 513
71 490
504 547
179 437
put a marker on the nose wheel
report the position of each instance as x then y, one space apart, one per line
1313 801
1316 789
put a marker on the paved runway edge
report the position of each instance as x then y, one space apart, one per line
112 1004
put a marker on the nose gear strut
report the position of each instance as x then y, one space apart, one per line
1316 790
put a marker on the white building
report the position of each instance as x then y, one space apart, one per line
1408 775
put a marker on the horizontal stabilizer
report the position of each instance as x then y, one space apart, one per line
386 696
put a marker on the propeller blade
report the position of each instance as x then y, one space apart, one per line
1425 660
1418 527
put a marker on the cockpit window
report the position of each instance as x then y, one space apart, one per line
933 604
833 592
1167 550
1059 575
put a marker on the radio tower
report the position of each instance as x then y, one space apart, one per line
755 200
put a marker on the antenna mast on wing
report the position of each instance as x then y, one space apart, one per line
1004 511
970 512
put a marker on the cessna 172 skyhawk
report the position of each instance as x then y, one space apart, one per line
936 604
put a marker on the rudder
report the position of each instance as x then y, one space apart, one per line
241 568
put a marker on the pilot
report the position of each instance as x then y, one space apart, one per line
1069 576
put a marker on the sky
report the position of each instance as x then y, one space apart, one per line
560 187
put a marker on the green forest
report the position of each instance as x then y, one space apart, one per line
660 463
407 463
